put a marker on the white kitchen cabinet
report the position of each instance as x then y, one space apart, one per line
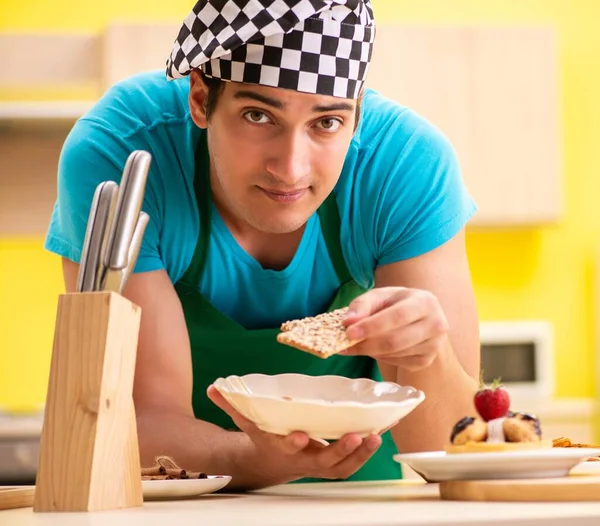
29 153
493 92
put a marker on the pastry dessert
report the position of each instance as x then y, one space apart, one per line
496 427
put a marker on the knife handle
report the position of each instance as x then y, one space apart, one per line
129 205
98 222
134 248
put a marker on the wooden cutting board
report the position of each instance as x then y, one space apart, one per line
574 488
12 497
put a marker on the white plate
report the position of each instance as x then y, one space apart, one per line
586 468
437 466
182 488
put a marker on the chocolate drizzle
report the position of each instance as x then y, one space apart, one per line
532 420
460 426
528 417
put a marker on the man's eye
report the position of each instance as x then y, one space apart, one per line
330 125
256 117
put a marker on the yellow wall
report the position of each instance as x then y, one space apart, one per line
532 273
30 280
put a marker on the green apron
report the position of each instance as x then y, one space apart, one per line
221 347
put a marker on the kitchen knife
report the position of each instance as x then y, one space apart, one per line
83 262
127 213
105 224
129 205
134 249
103 205
116 279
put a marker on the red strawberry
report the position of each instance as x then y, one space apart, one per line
492 402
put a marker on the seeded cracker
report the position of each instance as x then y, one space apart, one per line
322 335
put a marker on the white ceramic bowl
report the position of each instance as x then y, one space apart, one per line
324 407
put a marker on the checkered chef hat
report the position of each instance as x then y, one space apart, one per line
313 46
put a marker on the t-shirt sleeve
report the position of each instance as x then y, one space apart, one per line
92 154
423 201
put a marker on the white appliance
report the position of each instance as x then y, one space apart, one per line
19 446
521 354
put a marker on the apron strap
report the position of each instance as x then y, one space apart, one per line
329 218
193 274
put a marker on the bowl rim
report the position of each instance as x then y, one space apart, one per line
416 396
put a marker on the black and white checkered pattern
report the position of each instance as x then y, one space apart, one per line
313 46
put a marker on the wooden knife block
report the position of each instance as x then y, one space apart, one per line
89 453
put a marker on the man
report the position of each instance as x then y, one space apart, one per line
280 188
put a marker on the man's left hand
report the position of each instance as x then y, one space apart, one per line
399 326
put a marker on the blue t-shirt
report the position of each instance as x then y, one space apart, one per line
400 194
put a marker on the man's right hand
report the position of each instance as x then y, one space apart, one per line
282 459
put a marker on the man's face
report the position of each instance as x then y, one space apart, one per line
275 154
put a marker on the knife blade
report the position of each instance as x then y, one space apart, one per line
103 204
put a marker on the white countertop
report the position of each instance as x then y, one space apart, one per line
324 504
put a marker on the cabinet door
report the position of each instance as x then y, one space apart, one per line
130 48
493 92
28 161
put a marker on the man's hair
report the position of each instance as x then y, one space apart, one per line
216 87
